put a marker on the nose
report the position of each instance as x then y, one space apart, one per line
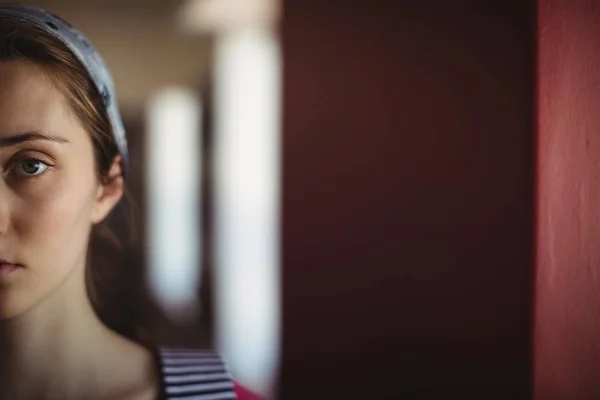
6 201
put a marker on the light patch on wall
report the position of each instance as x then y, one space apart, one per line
203 16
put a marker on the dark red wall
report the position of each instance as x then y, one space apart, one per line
408 199
567 351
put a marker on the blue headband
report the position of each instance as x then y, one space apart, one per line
85 52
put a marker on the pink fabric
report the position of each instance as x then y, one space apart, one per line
244 394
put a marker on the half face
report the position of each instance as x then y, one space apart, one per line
49 192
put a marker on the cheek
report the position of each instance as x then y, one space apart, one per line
52 222
50 234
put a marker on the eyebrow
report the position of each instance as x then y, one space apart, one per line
29 137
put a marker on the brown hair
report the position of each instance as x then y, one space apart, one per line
22 42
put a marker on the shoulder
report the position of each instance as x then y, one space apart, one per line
196 372
128 370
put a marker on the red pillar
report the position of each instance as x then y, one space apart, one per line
567 324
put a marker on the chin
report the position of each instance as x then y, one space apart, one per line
14 304
10 310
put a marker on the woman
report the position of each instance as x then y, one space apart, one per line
63 161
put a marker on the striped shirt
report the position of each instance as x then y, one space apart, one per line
194 375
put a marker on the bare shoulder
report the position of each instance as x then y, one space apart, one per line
136 373
149 392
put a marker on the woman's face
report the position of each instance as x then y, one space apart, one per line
49 192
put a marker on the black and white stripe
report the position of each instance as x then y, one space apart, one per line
194 375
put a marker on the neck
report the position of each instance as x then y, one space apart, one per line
43 351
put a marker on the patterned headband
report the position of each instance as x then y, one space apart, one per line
85 52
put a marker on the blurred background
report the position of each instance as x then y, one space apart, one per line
366 199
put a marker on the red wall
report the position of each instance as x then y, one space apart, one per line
408 199
567 329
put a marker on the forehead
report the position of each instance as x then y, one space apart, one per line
30 101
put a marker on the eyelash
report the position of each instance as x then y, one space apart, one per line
21 161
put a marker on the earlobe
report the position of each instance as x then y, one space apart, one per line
110 191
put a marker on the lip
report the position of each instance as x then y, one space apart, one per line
7 268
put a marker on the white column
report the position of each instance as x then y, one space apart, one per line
247 193
174 195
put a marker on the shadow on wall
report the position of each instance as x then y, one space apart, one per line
408 199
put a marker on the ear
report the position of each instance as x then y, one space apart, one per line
109 193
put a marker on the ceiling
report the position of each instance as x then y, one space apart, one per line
141 42
112 4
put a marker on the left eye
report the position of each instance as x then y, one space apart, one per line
31 167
